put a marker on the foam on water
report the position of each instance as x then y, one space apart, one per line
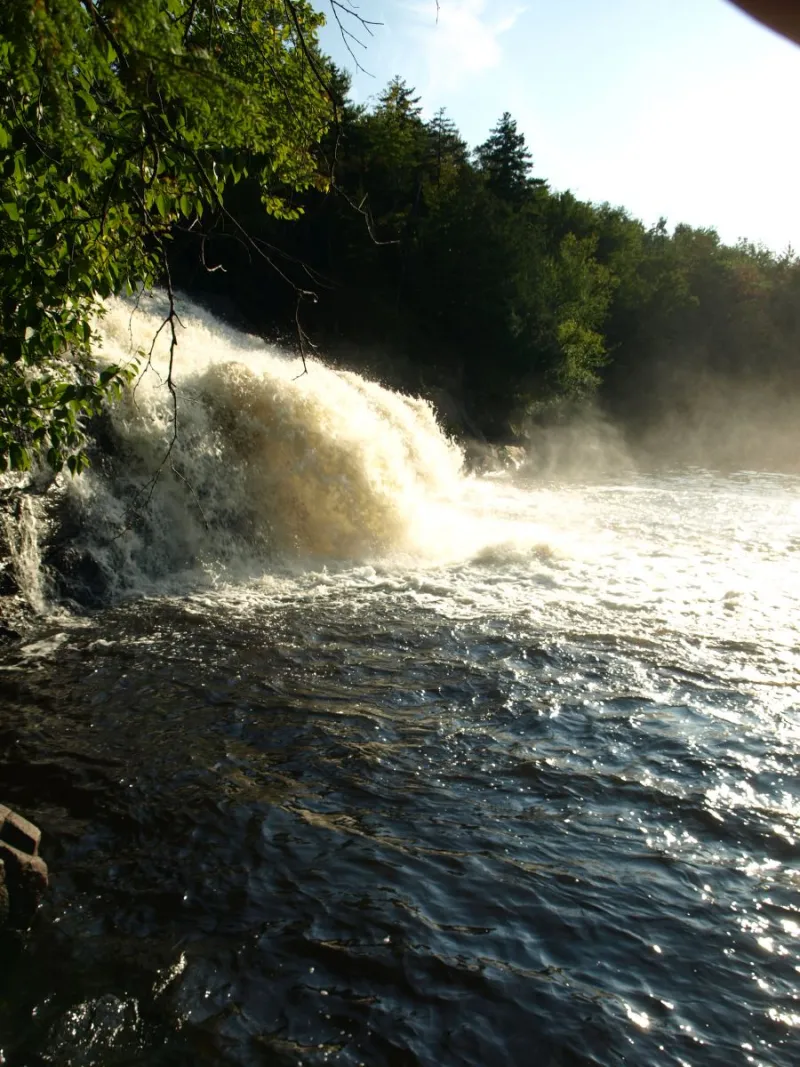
319 483
269 463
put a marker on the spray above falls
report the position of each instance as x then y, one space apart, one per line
268 462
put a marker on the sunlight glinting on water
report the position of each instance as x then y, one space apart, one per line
455 767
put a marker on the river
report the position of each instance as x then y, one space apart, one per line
515 783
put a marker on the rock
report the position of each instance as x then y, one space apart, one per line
78 576
8 582
483 458
23 873
18 832
9 636
4 903
102 1030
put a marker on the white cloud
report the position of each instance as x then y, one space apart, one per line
465 41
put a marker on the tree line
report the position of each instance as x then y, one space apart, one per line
463 271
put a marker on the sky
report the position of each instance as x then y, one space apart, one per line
685 109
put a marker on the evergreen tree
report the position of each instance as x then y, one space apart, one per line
506 162
447 151
398 101
392 141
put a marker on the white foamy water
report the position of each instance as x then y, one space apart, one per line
269 462
21 529
319 485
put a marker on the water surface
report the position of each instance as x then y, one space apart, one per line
534 801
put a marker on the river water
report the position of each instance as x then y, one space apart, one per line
516 785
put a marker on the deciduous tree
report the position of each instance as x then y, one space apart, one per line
117 120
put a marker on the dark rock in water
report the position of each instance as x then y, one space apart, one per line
8 583
78 576
4 902
8 635
70 572
23 873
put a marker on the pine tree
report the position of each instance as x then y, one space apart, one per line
393 146
505 160
398 101
447 150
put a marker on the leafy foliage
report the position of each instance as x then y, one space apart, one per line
117 121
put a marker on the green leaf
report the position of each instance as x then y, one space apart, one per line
88 100
19 457
108 374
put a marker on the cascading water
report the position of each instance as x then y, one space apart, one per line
397 766
21 533
268 461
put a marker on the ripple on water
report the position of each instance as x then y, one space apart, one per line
374 818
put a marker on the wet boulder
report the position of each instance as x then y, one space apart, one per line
8 635
8 582
23 873
78 576
4 902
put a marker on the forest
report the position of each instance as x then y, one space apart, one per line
460 270
212 149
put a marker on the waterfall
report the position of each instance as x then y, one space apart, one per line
20 535
269 462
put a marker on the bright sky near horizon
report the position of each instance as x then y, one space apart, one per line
681 108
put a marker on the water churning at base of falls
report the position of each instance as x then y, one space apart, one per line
373 763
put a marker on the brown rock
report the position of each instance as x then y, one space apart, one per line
18 832
4 903
23 873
